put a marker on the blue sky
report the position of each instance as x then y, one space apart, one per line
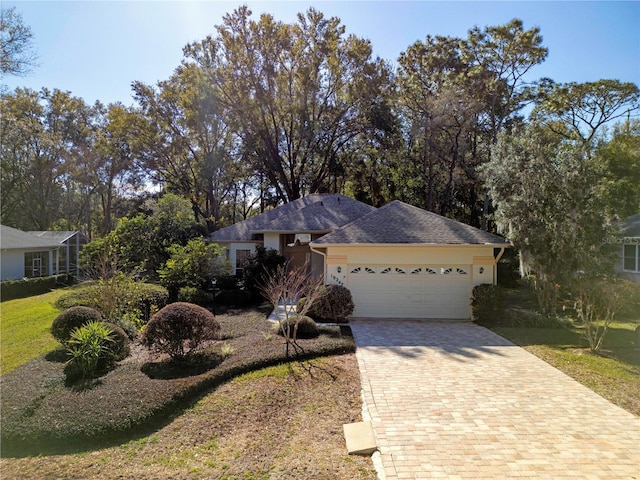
96 49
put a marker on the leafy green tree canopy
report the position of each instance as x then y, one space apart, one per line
298 94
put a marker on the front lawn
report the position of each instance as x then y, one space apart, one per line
25 325
282 422
41 414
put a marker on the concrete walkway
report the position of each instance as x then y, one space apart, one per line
452 400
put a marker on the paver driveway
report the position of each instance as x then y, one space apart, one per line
454 400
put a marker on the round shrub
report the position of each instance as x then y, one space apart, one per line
307 328
120 346
71 319
180 328
335 304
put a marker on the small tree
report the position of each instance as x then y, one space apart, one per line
192 265
285 287
596 302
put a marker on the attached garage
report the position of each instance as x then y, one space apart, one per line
404 262
410 291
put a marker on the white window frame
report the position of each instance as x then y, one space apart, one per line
637 257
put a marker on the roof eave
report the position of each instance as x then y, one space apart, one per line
287 232
496 245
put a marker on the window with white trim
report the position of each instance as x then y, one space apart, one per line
630 257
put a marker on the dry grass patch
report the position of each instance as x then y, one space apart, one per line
282 422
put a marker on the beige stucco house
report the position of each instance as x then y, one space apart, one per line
398 261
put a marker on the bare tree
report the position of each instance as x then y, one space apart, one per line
17 56
284 288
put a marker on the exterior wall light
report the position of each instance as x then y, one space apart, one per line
481 270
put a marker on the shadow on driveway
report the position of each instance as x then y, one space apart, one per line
460 339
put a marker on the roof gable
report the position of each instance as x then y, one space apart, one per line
59 236
313 213
400 223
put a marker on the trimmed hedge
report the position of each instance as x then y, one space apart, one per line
12 289
120 348
488 303
144 297
72 319
335 305
307 328
180 328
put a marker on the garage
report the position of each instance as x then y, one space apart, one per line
410 291
400 261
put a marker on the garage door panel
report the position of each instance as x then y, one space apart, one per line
414 291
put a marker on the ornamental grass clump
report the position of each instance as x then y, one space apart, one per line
179 329
89 348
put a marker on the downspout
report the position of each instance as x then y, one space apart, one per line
324 262
495 271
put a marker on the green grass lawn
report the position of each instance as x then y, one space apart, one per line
24 328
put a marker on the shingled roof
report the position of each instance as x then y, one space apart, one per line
630 226
400 223
12 238
316 213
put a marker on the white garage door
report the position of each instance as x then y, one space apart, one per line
400 291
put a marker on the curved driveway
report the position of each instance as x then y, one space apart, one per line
450 399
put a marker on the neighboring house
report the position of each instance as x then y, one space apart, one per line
69 252
37 254
628 266
398 261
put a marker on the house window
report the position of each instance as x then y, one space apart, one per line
36 264
241 258
630 260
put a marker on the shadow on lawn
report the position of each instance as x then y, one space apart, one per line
189 366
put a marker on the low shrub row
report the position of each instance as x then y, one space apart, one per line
12 289
122 302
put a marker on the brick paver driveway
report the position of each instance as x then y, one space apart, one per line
453 400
